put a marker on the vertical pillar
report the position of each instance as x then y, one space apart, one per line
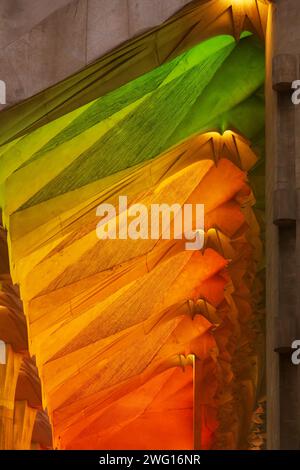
24 418
282 227
197 410
272 251
9 373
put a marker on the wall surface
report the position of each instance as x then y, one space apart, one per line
43 42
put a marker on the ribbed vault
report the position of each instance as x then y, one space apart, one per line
117 328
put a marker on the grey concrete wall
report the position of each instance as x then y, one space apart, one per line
42 41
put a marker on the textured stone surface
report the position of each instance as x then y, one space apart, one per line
43 42
148 13
288 13
18 16
108 25
282 243
14 89
52 50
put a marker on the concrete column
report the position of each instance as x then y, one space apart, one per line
197 417
282 226
8 380
24 418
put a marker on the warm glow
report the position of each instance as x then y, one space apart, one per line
140 343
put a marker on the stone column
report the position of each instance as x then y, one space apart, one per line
282 226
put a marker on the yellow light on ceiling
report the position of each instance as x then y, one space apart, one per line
249 2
